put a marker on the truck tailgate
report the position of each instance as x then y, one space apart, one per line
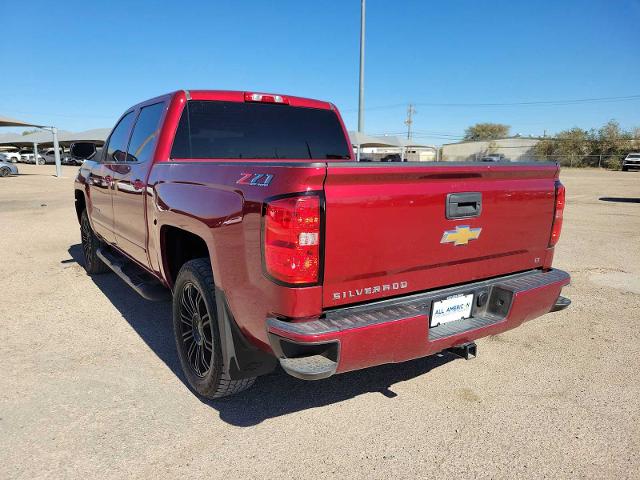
387 231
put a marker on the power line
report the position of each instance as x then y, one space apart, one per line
413 132
575 101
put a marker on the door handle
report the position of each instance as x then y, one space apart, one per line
464 205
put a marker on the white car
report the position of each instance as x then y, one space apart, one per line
11 157
27 157
631 161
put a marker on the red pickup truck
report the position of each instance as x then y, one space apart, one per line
249 211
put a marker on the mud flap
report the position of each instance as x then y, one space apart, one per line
240 357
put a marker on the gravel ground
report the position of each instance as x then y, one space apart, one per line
91 386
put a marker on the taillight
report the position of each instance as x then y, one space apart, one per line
556 227
265 98
292 239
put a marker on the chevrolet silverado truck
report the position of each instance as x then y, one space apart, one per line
249 212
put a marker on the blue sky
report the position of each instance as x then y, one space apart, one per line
78 65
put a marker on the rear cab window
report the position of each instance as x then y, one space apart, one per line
236 130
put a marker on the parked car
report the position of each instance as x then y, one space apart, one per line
494 157
11 157
69 160
7 168
27 157
631 161
50 157
85 150
249 211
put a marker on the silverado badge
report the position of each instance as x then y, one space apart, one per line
461 235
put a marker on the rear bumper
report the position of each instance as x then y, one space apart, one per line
397 330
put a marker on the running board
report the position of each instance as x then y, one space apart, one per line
134 276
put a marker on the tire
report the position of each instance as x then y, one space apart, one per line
41 162
90 244
4 171
625 169
195 326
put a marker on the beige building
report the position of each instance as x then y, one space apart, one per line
410 154
516 149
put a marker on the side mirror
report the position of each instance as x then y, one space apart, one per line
83 150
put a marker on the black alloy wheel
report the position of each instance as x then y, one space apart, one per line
90 245
197 333
196 329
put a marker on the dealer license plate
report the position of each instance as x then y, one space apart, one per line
451 309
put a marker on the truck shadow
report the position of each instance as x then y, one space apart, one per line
620 199
273 395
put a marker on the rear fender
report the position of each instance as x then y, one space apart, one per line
198 209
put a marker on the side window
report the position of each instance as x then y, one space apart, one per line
117 147
145 133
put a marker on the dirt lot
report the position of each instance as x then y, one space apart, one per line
91 385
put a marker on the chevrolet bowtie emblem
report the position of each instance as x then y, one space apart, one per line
461 235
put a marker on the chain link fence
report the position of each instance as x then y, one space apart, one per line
610 162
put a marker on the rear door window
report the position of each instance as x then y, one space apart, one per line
235 130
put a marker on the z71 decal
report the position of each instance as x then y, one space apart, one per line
255 179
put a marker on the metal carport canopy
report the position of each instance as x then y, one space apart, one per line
19 140
12 122
363 140
97 135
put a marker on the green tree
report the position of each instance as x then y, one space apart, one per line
27 132
569 147
576 147
613 143
486 131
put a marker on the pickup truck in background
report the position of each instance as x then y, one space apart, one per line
275 246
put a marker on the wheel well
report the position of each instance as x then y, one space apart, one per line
180 246
81 203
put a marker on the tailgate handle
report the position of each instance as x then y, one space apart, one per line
464 205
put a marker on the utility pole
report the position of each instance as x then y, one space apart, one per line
361 82
411 111
361 93
56 151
